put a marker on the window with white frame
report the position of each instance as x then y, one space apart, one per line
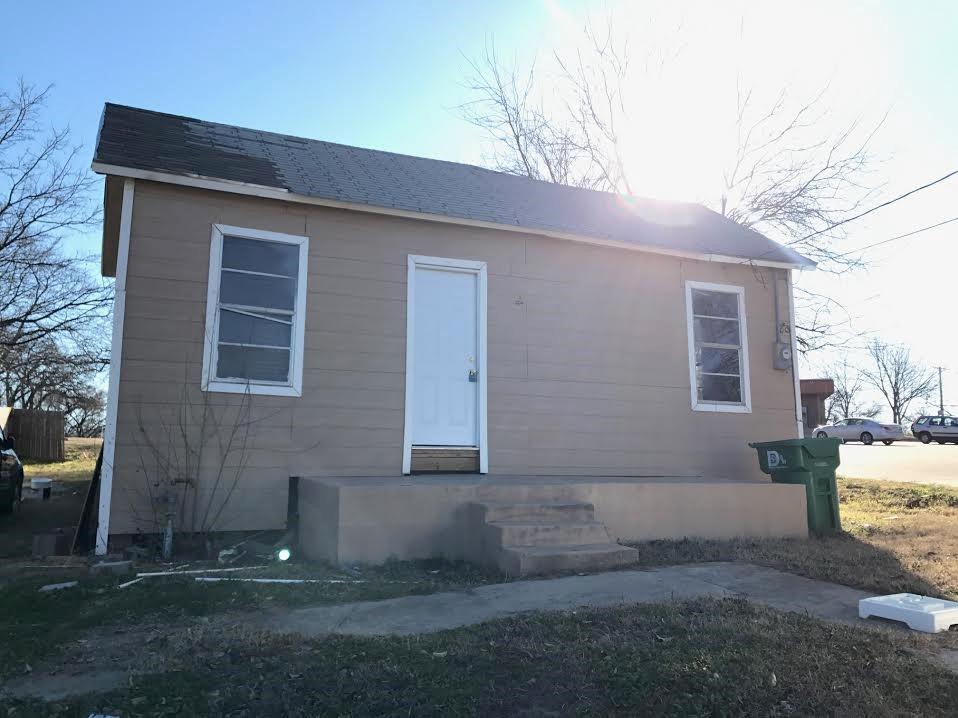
718 348
255 312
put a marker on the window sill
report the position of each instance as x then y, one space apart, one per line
723 408
229 387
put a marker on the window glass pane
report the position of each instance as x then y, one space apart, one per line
714 304
244 329
720 388
256 291
252 364
257 255
717 361
716 331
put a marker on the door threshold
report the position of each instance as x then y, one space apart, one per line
445 446
445 459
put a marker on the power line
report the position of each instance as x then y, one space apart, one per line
859 216
900 236
874 209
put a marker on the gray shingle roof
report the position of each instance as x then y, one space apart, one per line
147 140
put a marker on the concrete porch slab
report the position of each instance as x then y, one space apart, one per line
371 519
494 480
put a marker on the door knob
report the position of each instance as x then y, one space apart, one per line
473 375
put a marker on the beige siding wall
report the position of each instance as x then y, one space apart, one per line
587 362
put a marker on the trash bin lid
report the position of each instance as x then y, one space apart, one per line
769 444
822 448
806 443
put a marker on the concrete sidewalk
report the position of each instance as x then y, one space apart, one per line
440 611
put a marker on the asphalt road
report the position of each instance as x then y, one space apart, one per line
902 461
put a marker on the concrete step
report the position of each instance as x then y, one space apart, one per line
537 511
526 532
528 560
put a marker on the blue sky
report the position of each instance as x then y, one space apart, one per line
378 74
388 75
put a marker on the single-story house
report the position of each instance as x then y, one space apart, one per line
454 361
813 393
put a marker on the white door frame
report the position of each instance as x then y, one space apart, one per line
451 265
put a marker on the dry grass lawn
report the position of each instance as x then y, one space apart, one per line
695 658
80 460
703 657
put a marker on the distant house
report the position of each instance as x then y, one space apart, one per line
542 350
814 392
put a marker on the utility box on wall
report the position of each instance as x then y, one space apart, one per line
783 356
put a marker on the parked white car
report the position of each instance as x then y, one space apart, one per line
935 428
863 430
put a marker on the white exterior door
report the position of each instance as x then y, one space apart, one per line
445 353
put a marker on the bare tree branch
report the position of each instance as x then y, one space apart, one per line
788 177
898 378
845 402
43 291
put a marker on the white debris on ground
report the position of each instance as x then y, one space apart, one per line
919 613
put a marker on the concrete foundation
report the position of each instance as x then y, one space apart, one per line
373 519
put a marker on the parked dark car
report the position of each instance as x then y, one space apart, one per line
11 475
935 428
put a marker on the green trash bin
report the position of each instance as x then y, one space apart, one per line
811 462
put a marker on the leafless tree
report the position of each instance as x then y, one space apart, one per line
846 401
787 177
85 413
43 375
899 378
527 141
789 181
43 198
54 375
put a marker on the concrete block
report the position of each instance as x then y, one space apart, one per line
111 568
51 544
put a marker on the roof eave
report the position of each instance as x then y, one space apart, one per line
280 193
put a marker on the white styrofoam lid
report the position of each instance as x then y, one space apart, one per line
913 602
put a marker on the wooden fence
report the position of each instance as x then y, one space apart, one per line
39 434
